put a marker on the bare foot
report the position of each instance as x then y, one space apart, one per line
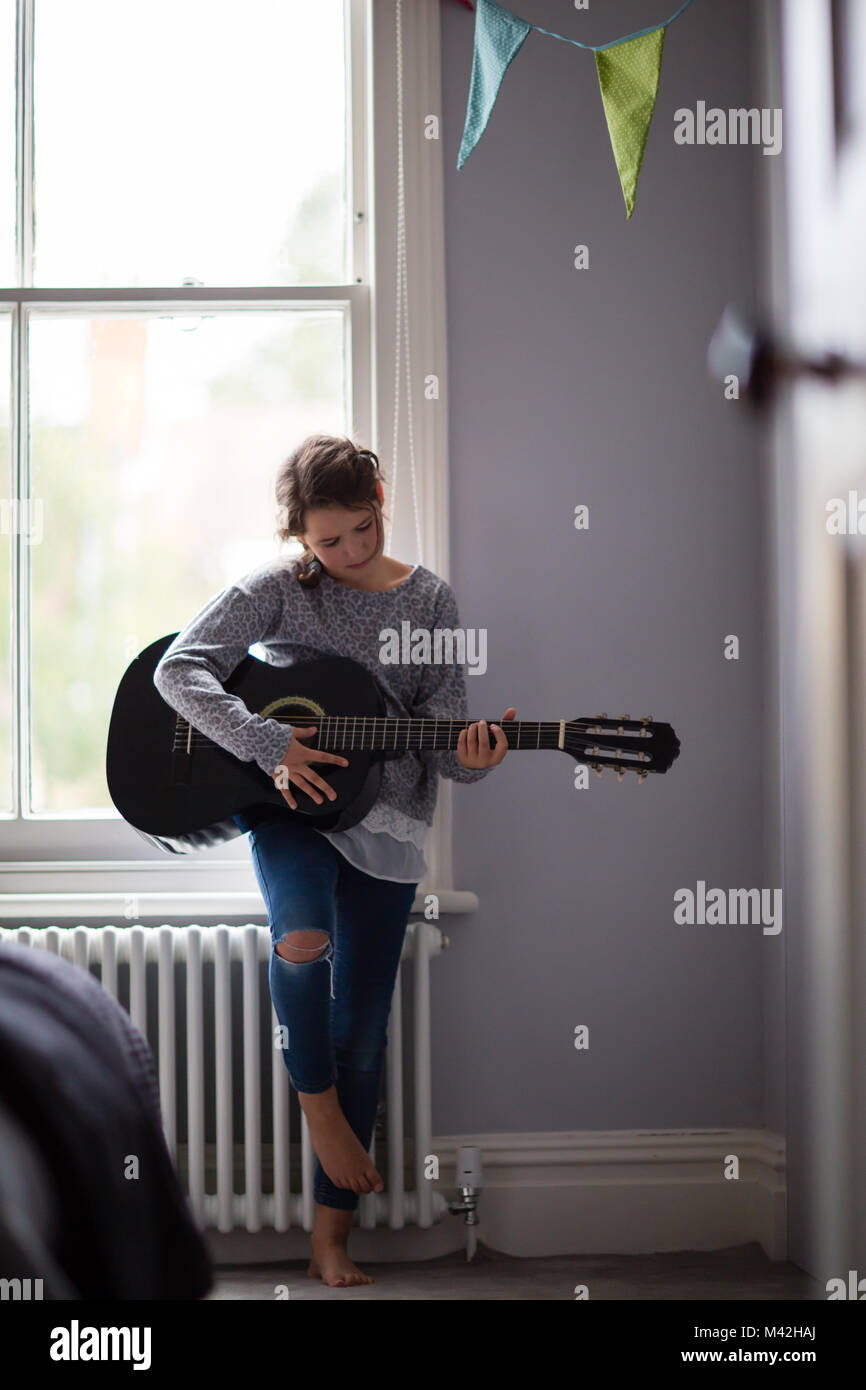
330 1261
339 1150
333 1266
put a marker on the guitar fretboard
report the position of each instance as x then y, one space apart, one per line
343 733
390 734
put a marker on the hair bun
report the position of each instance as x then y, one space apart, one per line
310 576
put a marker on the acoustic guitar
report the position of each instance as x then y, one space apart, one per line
180 790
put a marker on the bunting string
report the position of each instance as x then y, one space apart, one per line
597 47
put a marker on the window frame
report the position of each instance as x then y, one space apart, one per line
79 858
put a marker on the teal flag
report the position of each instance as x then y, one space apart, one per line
498 36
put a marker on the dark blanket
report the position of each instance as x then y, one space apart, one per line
79 1078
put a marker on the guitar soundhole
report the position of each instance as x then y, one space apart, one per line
293 709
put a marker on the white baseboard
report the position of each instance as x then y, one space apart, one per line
583 1193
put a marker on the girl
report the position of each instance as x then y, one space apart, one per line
338 902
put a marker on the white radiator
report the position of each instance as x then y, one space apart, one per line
267 1199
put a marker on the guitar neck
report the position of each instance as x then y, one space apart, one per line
388 734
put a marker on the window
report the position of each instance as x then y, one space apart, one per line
186 244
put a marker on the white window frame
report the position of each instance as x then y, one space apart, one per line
99 860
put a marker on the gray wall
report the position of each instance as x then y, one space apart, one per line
591 387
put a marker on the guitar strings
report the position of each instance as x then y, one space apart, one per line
328 727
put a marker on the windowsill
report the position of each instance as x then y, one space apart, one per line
131 889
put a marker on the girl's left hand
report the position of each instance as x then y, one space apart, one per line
473 745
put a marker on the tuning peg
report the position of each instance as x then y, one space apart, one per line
599 772
642 776
626 717
620 774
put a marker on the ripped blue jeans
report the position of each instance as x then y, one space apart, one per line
335 1006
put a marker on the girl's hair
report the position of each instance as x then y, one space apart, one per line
324 470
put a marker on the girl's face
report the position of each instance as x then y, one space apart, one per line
346 540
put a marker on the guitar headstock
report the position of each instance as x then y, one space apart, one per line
627 745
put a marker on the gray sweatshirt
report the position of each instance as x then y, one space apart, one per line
293 623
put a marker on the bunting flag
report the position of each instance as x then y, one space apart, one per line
498 36
628 78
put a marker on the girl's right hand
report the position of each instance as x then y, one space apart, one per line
295 767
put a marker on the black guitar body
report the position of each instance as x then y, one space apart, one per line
180 790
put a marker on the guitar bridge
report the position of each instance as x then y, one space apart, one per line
181 753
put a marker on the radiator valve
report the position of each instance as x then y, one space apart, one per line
469 1183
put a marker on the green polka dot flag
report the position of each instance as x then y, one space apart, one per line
628 75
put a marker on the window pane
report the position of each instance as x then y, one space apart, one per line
12 518
180 141
8 275
155 442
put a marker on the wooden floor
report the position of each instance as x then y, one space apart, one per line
743 1272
